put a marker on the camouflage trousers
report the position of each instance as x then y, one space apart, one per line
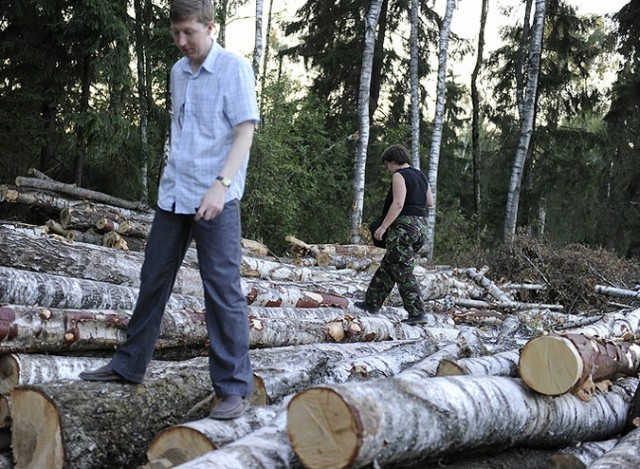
405 237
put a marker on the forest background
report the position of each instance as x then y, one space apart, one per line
84 99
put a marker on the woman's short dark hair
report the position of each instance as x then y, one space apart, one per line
201 10
396 153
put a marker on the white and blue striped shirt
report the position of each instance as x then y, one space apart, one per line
206 106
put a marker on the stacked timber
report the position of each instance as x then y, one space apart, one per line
334 386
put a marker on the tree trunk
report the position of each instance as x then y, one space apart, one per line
438 124
581 455
257 47
186 441
79 192
371 24
56 424
526 124
84 218
267 447
26 329
395 420
475 116
618 292
414 80
613 325
499 364
558 364
23 369
82 261
48 202
623 455
31 288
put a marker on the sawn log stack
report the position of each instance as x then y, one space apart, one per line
334 386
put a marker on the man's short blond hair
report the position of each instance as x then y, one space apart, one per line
202 10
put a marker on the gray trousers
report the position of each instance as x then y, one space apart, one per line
219 257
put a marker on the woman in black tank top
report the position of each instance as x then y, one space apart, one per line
404 227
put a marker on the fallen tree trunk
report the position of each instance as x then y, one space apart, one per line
267 447
22 369
39 329
488 285
79 192
274 333
45 201
31 288
581 455
512 306
55 425
26 329
624 454
499 364
560 363
394 420
285 370
618 292
181 443
619 324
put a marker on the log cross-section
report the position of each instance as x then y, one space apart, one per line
557 364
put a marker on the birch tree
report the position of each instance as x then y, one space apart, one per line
415 89
371 23
265 60
142 38
475 113
526 122
436 140
257 49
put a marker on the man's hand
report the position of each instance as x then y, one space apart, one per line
212 202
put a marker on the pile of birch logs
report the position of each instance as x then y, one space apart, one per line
334 386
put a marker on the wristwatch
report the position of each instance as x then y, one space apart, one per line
224 181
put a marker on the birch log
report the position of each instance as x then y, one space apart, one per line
268 447
101 425
499 364
278 373
395 420
48 202
34 329
271 333
560 363
581 455
32 288
180 443
619 324
23 369
624 454
79 192
284 370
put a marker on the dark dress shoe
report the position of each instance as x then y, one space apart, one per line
104 373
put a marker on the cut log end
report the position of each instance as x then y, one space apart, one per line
9 373
550 365
324 431
448 367
35 446
178 445
565 461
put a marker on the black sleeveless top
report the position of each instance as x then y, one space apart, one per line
415 203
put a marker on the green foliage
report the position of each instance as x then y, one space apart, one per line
455 234
299 179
